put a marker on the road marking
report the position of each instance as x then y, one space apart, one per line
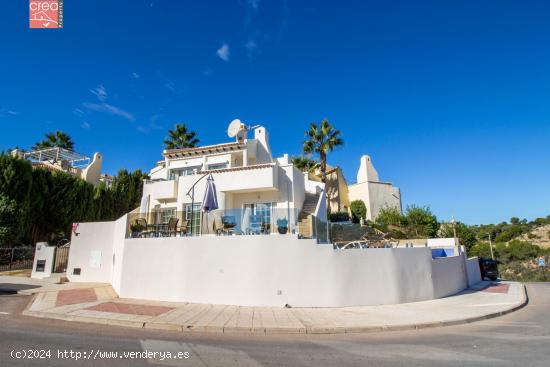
4 313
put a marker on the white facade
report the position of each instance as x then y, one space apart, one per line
253 270
373 192
258 270
244 172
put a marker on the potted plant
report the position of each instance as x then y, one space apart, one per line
282 225
136 229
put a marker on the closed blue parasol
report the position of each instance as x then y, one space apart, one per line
210 201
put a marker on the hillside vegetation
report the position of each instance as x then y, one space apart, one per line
517 244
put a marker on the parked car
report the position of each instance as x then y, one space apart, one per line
488 269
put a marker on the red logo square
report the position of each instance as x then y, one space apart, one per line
46 13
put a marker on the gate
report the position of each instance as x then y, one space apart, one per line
61 258
16 258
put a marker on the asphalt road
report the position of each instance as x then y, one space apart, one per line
521 338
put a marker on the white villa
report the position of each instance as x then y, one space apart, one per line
266 244
59 159
248 179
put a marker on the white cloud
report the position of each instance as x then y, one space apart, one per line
85 125
135 75
170 85
99 92
254 3
109 109
7 111
251 45
223 52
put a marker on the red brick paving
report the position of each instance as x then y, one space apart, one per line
131 309
497 288
73 296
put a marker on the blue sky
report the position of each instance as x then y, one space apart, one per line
450 98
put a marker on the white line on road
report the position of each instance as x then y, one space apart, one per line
4 313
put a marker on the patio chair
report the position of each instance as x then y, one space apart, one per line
266 228
171 228
218 226
229 223
255 225
184 228
143 223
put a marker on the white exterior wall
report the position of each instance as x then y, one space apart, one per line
449 275
43 252
442 242
373 192
272 271
473 271
312 187
375 195
92 238
260 270
119 232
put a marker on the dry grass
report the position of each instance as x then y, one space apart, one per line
18 273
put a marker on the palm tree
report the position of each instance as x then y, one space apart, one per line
57 139
305 164
322 139
180 138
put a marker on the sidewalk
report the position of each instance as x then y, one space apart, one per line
30 286
99 304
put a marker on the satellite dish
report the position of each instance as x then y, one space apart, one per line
235 128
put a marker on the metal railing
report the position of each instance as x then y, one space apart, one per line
16 258
258 219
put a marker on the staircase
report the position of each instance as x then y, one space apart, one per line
305 219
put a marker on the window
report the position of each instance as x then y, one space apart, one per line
164 215
187 171
40 266
193 218
261 210
216 166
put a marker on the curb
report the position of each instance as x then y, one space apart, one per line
273 330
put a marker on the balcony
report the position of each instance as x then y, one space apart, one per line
260 177
162 190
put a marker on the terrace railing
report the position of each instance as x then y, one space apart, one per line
257 220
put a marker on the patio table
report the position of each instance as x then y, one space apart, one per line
159 228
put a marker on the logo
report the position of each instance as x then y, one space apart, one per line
45 13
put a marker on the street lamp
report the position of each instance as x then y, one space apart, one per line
453 222
491 247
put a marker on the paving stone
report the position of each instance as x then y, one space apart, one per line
72 296
471 305
130 308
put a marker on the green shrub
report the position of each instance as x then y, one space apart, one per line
358 211
482 249
339 217
10 217
465 234
38 205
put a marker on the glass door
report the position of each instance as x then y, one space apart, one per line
257 218
193 218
